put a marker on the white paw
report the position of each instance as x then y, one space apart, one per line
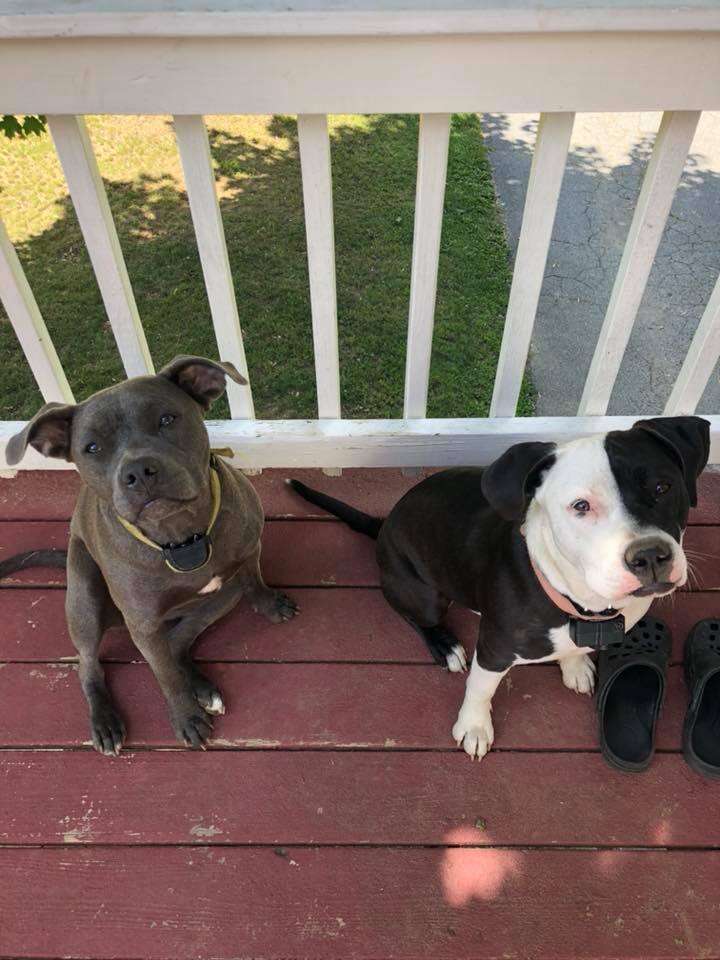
474 732
578 673
216 707
456 659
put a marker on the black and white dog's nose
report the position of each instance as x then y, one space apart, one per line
649 559
141 473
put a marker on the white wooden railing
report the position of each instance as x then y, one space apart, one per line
75 57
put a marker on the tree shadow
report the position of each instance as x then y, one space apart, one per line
595 209
374 166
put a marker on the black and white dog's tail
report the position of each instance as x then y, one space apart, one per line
33 558
355 519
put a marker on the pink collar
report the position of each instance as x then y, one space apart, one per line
566 604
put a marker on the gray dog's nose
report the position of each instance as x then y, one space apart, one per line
649 559
141 473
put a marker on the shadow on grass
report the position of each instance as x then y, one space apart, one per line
374 166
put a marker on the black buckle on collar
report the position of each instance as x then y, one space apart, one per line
597 634
191 555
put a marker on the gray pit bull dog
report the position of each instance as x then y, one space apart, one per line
164 537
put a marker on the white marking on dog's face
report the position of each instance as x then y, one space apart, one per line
578 529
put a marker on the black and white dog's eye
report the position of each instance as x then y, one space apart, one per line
661 488
581 506
92 448
166 419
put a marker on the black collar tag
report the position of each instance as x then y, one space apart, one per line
597 634
186 557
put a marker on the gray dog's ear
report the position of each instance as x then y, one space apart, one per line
509 482
688 440
49 432
203 380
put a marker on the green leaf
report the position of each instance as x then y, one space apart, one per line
30 125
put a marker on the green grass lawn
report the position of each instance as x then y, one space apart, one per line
258 174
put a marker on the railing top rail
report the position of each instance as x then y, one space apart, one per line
55 19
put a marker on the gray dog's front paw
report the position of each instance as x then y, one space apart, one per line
192 725
107 730
277 607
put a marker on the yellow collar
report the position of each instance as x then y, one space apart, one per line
195 553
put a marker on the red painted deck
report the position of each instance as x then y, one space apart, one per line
333 816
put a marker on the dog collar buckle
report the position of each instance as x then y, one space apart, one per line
596 634
190 556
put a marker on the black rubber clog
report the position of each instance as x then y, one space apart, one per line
630 691
701 731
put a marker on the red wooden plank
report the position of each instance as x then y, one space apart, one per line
39 495
334 625
279 797
51 494
708 508
318 705
295 553
177 903
311 553
377 490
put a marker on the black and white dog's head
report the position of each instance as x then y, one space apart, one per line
604 516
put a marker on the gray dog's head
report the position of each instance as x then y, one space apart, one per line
141 444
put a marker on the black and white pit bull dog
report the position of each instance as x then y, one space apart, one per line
548 538
163 537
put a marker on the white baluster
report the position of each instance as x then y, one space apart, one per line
700 361
656 196
192 140
546 175
314 144
93 212
29 326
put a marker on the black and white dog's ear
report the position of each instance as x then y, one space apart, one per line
202 379
688 440
509 482
49 432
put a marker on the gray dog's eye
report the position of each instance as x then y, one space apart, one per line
92 448
166 419
661 487
581 506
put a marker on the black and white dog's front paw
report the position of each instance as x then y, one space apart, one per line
578 673
445 648
473 730
456 659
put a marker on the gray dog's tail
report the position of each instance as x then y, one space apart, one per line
33 558
355 519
